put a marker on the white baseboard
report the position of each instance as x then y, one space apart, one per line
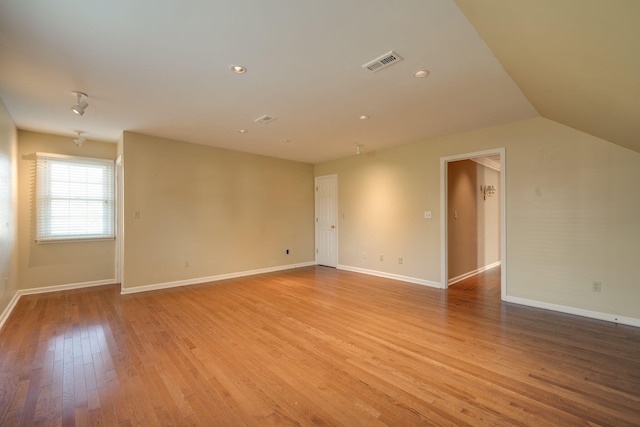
391 276
460 278
67 287
623 320
12 304
7 311
630 321
200 280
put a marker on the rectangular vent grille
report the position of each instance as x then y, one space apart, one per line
384 61
263 120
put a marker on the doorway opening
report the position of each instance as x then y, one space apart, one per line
473 216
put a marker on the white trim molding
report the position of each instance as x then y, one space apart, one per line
461 277
444 254
485 161
67 287
216 278
390 276
7 311
608 317
12 304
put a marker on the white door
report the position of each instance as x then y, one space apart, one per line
327 220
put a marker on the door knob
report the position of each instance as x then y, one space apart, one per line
333 226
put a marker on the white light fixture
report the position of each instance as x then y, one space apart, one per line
364 117
420 74
80 139
487 191
81 104
242 131
238 69
359 149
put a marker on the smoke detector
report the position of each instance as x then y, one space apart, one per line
383 61
263 120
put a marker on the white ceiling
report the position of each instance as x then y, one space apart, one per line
162 68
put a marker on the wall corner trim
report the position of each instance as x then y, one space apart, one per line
391 276
216 278
607 317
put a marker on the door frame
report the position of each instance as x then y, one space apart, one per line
315 216
119 219
444 208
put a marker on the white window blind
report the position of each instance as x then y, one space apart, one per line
75 198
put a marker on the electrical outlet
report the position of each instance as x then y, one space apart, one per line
186 263
136 215
364 255
381 257
400 260
596 287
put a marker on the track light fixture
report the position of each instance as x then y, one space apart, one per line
81 103
80 139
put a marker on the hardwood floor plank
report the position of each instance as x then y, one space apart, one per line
81 415
312 346
107 409
16 408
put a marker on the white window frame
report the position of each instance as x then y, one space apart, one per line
46 230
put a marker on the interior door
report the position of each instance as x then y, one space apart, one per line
327 220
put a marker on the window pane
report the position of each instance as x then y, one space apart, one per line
75 198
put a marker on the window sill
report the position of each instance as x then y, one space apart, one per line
74 240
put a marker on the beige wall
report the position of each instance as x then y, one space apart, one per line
473 223
489 217
62 263
222 211
572 204
8 209
572 212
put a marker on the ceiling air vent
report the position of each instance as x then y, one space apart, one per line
263 120
384 61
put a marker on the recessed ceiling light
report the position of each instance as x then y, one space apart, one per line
238 69
364 117
242 131
421 73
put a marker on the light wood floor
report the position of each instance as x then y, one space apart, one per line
312 346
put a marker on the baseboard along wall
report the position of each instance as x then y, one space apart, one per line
609 317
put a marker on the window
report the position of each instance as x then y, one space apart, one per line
75 198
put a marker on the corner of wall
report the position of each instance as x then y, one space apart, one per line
8 214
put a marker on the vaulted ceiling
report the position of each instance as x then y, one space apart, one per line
577 61
163 68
